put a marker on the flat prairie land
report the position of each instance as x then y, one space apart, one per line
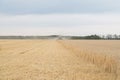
59 60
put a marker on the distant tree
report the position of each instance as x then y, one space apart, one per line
103 36
93 37
119 36
116 36
109 36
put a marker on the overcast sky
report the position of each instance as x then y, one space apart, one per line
63 17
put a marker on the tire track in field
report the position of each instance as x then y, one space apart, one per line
31 48
16 44
23 47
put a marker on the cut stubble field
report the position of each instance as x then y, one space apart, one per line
59 60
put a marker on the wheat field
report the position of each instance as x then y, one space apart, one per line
59 60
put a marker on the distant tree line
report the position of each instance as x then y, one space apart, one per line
87 37
90 37
103 37
26 37
110 36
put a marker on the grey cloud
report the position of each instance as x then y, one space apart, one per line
58 6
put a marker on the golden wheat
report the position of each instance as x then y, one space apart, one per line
55 60
106 62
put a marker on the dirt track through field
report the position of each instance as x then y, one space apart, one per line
45 60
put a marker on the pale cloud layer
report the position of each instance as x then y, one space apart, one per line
62 24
